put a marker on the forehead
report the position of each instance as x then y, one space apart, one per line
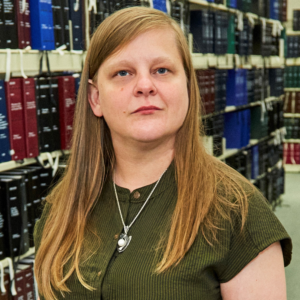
150 45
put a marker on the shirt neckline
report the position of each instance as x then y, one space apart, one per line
124 194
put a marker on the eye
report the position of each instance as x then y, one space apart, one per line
162 71
122 73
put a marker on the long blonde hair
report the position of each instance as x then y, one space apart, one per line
214 189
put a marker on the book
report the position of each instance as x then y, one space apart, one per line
15 214
4 131
30 119
41 20
60 11
15 114
24 282
10 25
76 25
200 28
47 114
23 23
66 89
32 193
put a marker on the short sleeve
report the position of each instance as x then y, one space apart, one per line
262 228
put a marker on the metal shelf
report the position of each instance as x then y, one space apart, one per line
232 108
5 261
28 161
292 141
292 61
292 168
229 61
290 115
30 60
292 89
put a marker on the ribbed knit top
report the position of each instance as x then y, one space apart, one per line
130 275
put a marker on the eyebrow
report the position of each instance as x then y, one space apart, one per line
155 60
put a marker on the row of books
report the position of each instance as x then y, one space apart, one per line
272 185
236 87
22 192
47 25
292 126
292 102
296 19
239 127
291 153
36 115
221 32
274 9
293 46
256 160
292 77
23 285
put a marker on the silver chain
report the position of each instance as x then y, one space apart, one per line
126 228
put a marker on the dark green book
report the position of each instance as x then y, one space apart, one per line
231 34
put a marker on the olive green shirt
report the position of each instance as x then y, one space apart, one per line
129 275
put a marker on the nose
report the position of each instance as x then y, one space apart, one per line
145 86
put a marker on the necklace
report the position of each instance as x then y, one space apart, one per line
124 239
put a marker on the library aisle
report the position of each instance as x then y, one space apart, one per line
288 213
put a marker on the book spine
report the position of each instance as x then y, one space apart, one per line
4 131
44 118
10 24
66 87
15 118
20 24
41 20
30 120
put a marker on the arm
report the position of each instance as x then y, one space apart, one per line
262 278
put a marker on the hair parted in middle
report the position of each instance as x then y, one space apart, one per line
214 190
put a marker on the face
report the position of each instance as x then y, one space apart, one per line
141 91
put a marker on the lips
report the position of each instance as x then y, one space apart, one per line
146 108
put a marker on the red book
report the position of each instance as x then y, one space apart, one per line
13 92
28 283
4 295
30 119
66 91
23 21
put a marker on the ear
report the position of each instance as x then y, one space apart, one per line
93 96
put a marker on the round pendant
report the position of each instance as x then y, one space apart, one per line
123 242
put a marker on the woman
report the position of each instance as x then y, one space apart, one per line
143 212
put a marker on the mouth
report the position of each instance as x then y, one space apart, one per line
146 109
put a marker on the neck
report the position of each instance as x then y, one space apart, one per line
140 166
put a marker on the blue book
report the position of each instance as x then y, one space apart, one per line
233 130
232 88
232 3
75 16
4 132
246 120
160 5
41 20
274 9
